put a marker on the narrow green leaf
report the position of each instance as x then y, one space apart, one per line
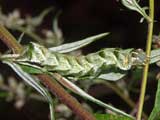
155 56
155 114
133 5
112 76
33 82
71 86
31 69
65 48
110 117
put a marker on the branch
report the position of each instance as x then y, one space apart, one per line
9 40
148 52
51 84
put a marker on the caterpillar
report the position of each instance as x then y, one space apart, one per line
79 67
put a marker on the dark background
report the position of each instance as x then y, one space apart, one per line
80 19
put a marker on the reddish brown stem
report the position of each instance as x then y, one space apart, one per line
51 84
66 98
10 40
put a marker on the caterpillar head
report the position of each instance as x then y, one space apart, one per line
139 57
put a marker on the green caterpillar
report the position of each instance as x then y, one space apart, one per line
80 67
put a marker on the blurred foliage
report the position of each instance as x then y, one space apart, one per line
110 117
14 91
28 26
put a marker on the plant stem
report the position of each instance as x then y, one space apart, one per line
66 98
9 40
148 51
51 84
